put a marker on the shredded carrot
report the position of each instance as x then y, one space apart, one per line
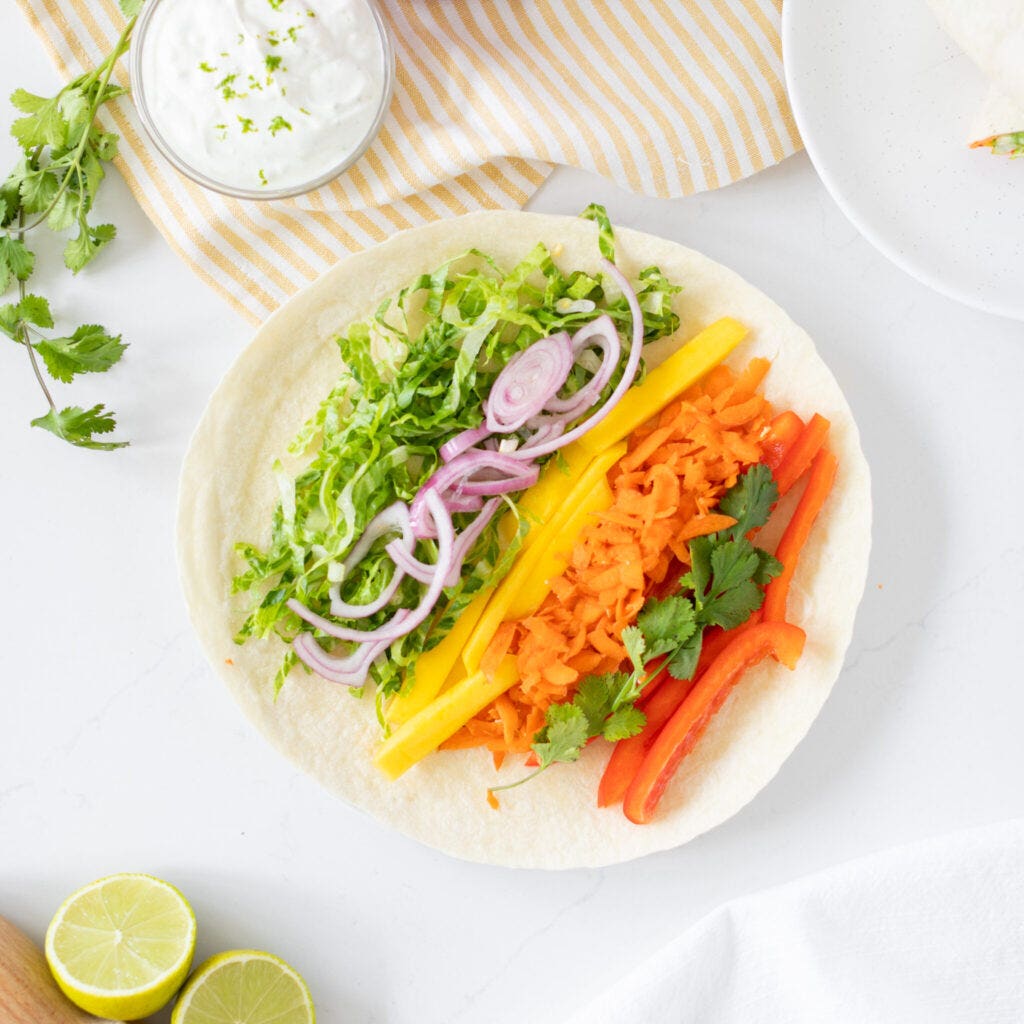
497 649
666 489
493 800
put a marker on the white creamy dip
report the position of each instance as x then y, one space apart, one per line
262 94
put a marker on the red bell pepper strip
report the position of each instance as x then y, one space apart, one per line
782 434
819 484
682 731
662 697
799 457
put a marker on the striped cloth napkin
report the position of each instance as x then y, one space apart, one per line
665 97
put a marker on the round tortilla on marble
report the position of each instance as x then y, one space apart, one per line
228 492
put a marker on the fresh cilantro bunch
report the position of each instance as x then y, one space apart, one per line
723 588
54 184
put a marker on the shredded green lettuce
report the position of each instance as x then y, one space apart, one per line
411 376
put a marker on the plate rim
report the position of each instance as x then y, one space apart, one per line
832 186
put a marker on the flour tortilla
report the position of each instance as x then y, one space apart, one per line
998 115
991 33
227 493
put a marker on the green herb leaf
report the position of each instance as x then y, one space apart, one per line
683 661
38 190
45 125
635 644
34 309
83 248
751 500
89 350
15 261
130 8
564 734
667 623
80 426
733 562
622 724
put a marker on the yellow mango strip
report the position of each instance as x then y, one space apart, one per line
555 557
445 715
664 383
438 665
433 668
540 501
589 492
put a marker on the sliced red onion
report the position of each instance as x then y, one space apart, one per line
600 333
545 429
460 442
458 482
527 477
527 382
467 538
394 519
463 503
404 620
350 670
409 563
346 632
628 373
344 610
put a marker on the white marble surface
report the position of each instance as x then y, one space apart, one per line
120 751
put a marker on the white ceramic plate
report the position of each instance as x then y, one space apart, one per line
885 102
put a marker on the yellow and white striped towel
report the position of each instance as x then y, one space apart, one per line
665 97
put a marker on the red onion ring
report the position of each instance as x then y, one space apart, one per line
409 563
455 484
602 334
405 620
350 670
628 373
527 382
460 442
467 538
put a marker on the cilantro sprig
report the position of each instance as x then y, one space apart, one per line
54 184
722 588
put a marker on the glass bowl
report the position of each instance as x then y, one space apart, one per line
138 88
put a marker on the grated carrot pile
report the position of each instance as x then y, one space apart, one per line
666 487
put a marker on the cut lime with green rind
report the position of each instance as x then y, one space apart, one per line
245 986
122 946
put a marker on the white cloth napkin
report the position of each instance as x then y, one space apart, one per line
931 933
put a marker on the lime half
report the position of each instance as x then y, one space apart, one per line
121 947
244 986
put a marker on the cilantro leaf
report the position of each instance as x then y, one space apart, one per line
622 724
130 8
38 189
768 567
595 698
45 125
733 562
15 261
683 662
699 576
89 350
563 736
34 309
633 641
750 501
666 623
80 426
82 249
733 607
